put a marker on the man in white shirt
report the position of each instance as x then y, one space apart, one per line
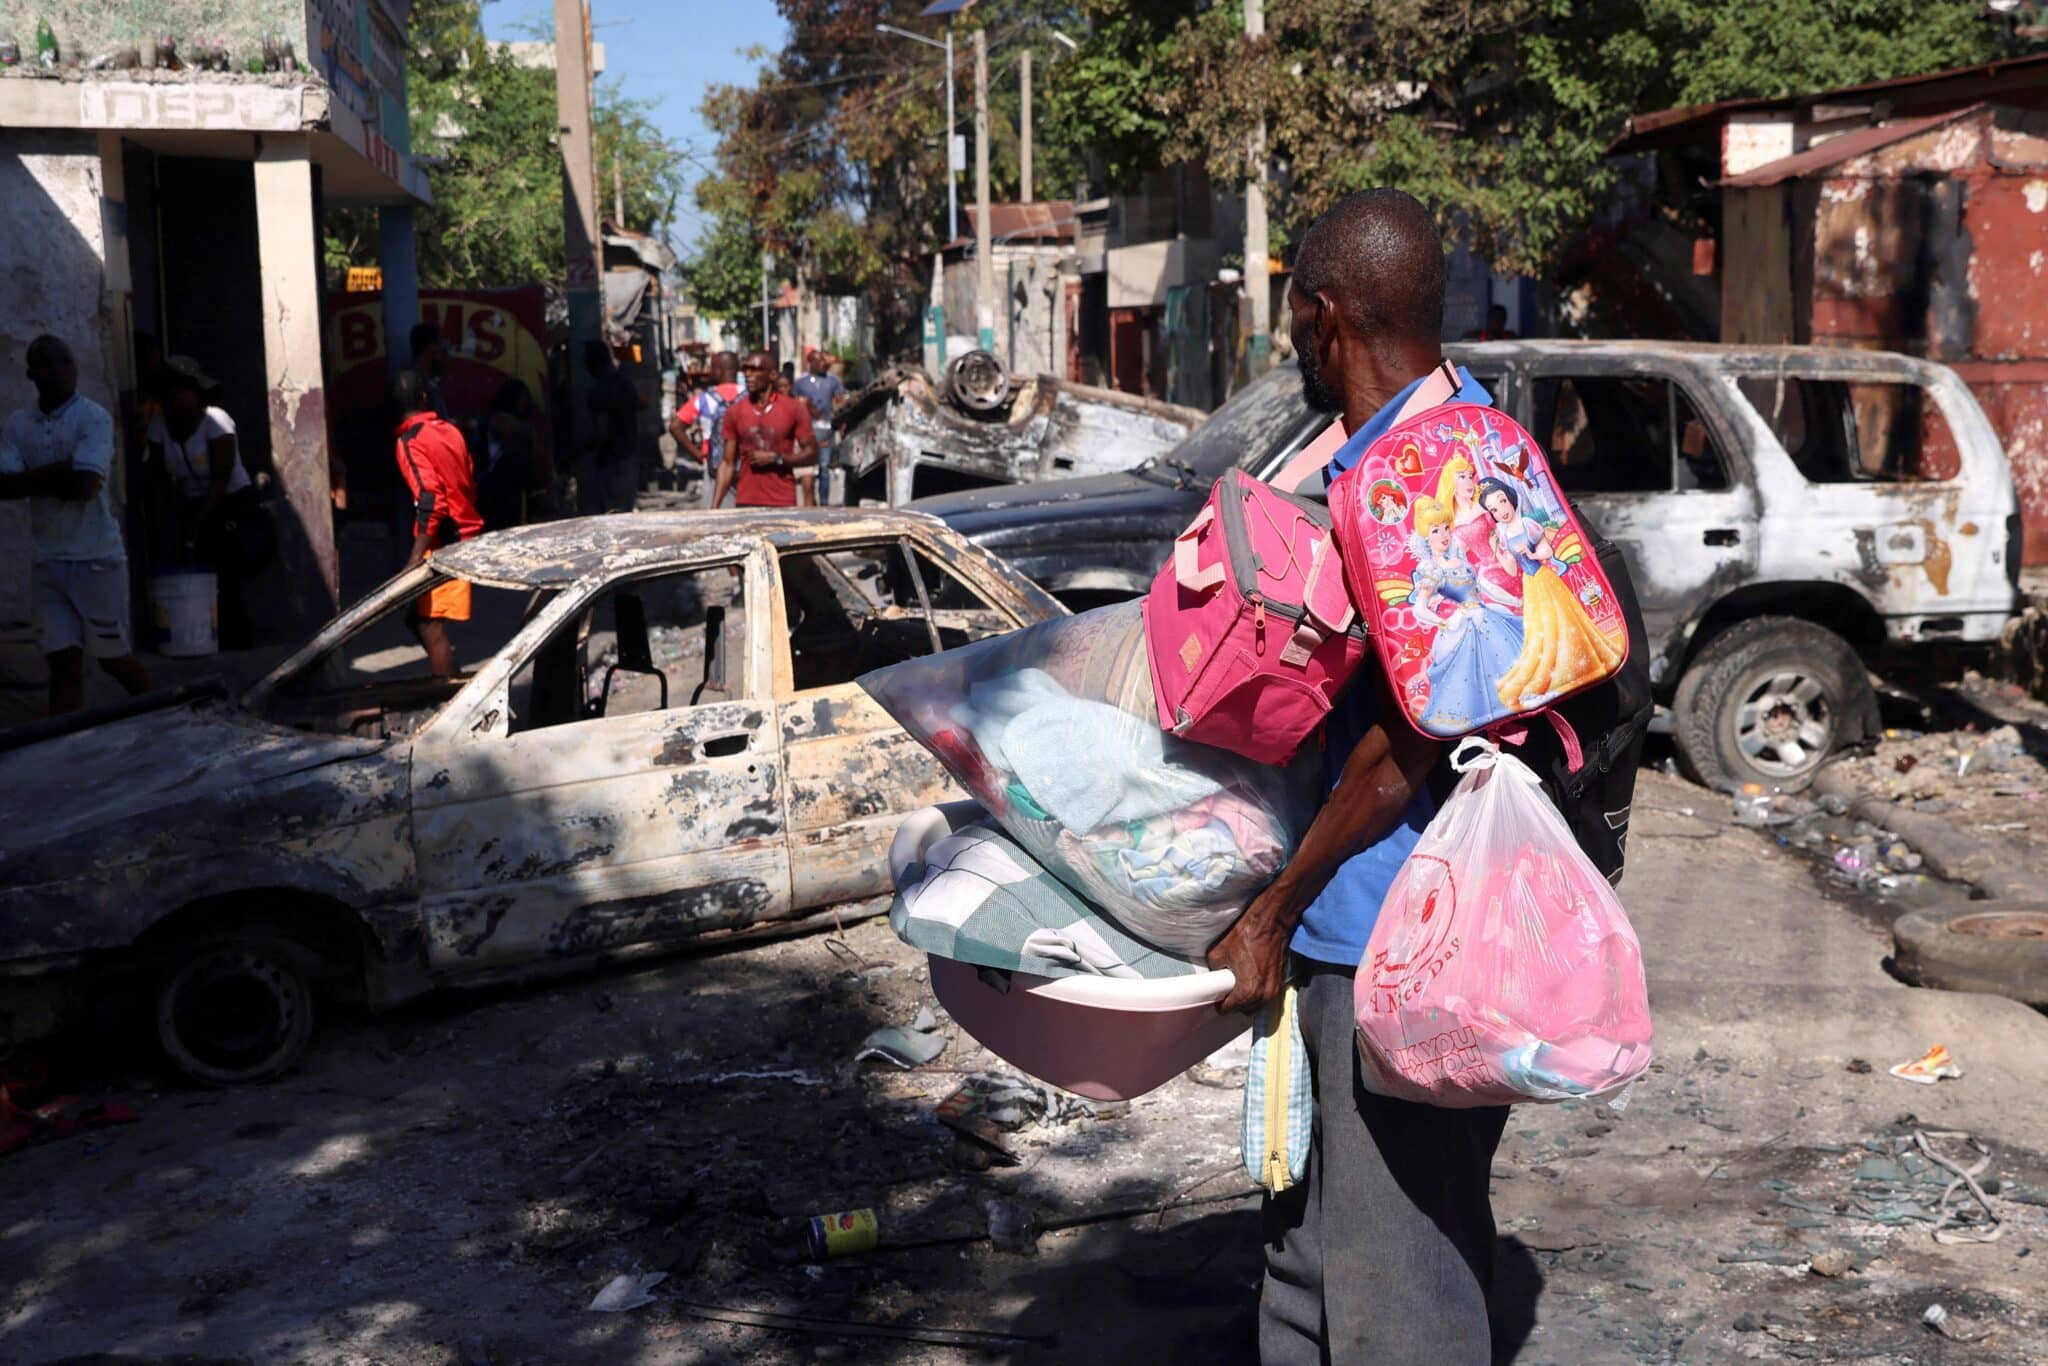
57 454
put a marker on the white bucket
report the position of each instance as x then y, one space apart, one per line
182 607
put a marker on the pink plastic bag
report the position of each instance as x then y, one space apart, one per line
1502 967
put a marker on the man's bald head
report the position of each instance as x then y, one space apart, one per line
1377 254
1368 302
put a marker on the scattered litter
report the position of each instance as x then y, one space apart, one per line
905 1047
1860 1066
1758 808
1965 1230
1012 1227
626 1291
1929 1068
925 1022
1905 763
797 1075
1749 1321
1938 1319
2004 827
841 1234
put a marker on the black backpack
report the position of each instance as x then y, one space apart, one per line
1610 721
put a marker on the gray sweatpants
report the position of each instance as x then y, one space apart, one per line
1383 1254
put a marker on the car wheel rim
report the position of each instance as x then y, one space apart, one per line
2003 925
1783 723
233 1012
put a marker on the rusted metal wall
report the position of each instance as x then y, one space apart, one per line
1938 246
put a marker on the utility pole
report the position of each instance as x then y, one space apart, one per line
581 273
1257 288
1024 150
984 262
766 259
952 123
618 191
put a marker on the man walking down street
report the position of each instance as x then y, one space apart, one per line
706 411
57 454
434 461
614 406
1383 1254
826 395
767 438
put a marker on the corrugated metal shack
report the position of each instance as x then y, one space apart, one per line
1909 215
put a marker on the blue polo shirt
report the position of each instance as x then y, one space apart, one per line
1335 927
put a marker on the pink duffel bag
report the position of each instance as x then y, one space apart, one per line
1502 967
1249 628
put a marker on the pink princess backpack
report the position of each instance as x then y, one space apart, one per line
1472 570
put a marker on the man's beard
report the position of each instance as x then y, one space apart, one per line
1315 390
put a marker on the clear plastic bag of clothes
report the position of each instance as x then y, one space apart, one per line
1502 967
1054 731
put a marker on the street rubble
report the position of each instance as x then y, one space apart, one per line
628 1168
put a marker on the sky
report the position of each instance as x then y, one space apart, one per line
666 53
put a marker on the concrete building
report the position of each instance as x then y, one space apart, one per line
146 199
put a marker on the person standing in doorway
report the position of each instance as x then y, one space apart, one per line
433 459
57 454
614 408
826 395
1384 1253
217 514
767 439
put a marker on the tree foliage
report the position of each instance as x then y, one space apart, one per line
1499 112
484 127
834 159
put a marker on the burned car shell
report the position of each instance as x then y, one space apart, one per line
465 852
899 439
1877 561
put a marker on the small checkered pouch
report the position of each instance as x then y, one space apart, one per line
1278 1104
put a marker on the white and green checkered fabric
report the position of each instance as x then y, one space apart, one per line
978 898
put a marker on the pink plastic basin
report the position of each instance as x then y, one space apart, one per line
1106 1038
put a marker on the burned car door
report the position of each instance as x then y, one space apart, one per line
621 785
1655 469
853 772
1898 489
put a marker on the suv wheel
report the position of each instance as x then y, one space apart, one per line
235 1009
1767 701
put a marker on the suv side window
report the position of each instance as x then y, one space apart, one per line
1839 432
1616 434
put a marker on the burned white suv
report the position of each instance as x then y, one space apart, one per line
1787 514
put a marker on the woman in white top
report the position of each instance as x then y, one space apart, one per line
220 520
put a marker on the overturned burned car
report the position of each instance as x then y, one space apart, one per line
655 737
907 436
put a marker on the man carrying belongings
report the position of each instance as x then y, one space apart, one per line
1384 1252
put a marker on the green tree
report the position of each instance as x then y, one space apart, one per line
484 127
1499 112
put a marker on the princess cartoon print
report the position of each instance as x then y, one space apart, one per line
1561 647
1476 642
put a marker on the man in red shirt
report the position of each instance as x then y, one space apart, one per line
434 460
768 437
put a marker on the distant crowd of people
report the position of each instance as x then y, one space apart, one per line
777 424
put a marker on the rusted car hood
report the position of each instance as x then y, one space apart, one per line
113 775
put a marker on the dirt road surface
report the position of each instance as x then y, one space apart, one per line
455 1184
